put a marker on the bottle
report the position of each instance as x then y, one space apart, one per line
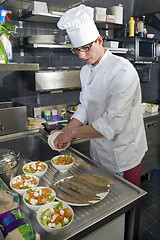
7 45
47 115
136 27
140 28
144 26
3 54
3 37
131 27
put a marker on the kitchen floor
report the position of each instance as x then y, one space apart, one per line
150 211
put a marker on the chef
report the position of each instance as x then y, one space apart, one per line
109 113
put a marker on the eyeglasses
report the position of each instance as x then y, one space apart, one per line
82 49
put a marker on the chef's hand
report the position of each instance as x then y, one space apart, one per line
62 140
55 131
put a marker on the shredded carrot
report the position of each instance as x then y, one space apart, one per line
63 160
41 198
36 168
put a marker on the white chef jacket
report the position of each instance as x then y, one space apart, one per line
110 100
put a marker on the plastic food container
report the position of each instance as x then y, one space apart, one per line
100 14
143 107
111 44
151 107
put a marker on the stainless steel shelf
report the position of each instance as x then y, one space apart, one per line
41 45
19 67
40 17
109 26
52 18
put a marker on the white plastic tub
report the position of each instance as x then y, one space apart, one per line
151 107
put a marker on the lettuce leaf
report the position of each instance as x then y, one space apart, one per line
8 29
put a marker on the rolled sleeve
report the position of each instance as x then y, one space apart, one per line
80 114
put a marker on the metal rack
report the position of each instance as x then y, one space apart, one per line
68 46
53 18
40 17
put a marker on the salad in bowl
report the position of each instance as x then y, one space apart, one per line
55 216
63 162
37 168
23 182
36 197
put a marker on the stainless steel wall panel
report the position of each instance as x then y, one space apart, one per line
57 80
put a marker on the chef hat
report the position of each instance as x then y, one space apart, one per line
80 26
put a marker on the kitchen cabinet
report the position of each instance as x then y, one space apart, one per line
151 159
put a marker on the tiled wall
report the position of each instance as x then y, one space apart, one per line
20 86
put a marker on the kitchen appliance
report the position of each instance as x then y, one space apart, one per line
13 118
141 50
8 164
146 49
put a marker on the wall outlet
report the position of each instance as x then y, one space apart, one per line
144 74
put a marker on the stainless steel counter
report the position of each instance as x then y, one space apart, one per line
151 159
123 198
150 115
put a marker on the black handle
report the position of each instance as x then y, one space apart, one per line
151 124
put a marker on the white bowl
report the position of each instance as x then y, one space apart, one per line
62 168
150 35
51 139
49 206
22 191
36 207
37 173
